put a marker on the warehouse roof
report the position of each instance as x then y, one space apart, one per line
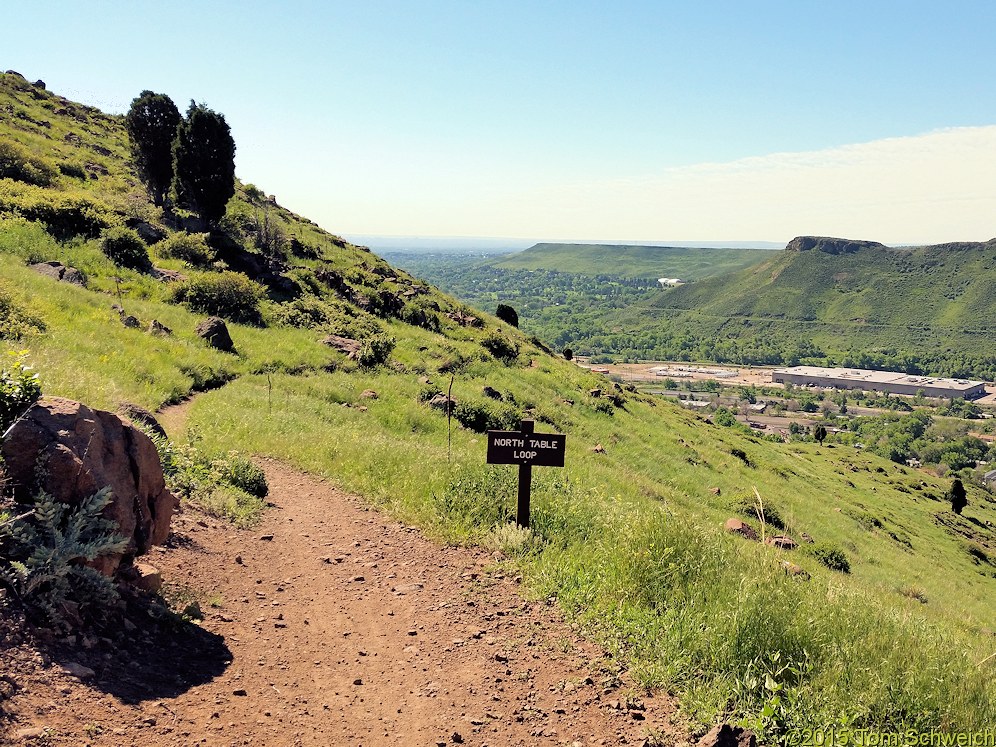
879 377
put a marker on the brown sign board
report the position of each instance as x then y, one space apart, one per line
527 449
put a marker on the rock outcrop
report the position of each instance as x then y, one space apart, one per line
215 332
58 271
735 526
71 451
830 245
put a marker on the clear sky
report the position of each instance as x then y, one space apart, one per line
579 120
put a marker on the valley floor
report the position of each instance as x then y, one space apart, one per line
332 625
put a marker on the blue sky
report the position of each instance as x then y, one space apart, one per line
567 120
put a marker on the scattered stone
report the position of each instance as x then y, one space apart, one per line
781 541
193 611
58 271
263 538
346 345
715 491
358 681
736 526
806 538
794 570
595 393
725 735
240 693
130 321
368 394
78 670
158 328
215 332
457 738
598 449
168 276
30 732
145 577
442 402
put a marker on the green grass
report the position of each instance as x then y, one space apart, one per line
630 540
629 261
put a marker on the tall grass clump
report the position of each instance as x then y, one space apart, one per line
718 621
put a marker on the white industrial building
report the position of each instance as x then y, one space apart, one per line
879 381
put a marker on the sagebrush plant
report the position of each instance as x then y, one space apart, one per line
42 556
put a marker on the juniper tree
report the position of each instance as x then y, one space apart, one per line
507 314
957 496
152 122
204 162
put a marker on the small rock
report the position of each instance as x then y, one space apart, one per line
725 735
735 526
265 538
158 328
78 670
715 491
240 692
598 449
781 541
31 732
456 737
358 681
147 578
215 332
368 394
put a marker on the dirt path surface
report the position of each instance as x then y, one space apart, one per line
328 625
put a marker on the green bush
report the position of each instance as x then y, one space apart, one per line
17 163
66 213
125 248
19 389
72 169
375 351
829 555
487 415
15 321
500 346
226 294
191 248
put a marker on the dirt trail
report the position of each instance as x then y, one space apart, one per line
334 625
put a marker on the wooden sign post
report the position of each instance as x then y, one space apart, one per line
528 450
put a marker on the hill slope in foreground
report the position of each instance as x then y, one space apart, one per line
627 538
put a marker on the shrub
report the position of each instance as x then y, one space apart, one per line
419 317
15 322
17 163
125 248
44 560
227 294
375 351
72 169
19 389
480 415
191 248
829 555
568 354
500 347
64 213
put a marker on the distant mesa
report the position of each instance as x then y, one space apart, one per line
830 245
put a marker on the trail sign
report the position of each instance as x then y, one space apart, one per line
528 450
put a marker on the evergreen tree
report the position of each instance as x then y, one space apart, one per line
820 433
507 314
204 162
151 122
957 496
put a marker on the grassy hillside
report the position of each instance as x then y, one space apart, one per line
628 537
632 261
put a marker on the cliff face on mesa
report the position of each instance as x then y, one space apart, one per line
830 245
